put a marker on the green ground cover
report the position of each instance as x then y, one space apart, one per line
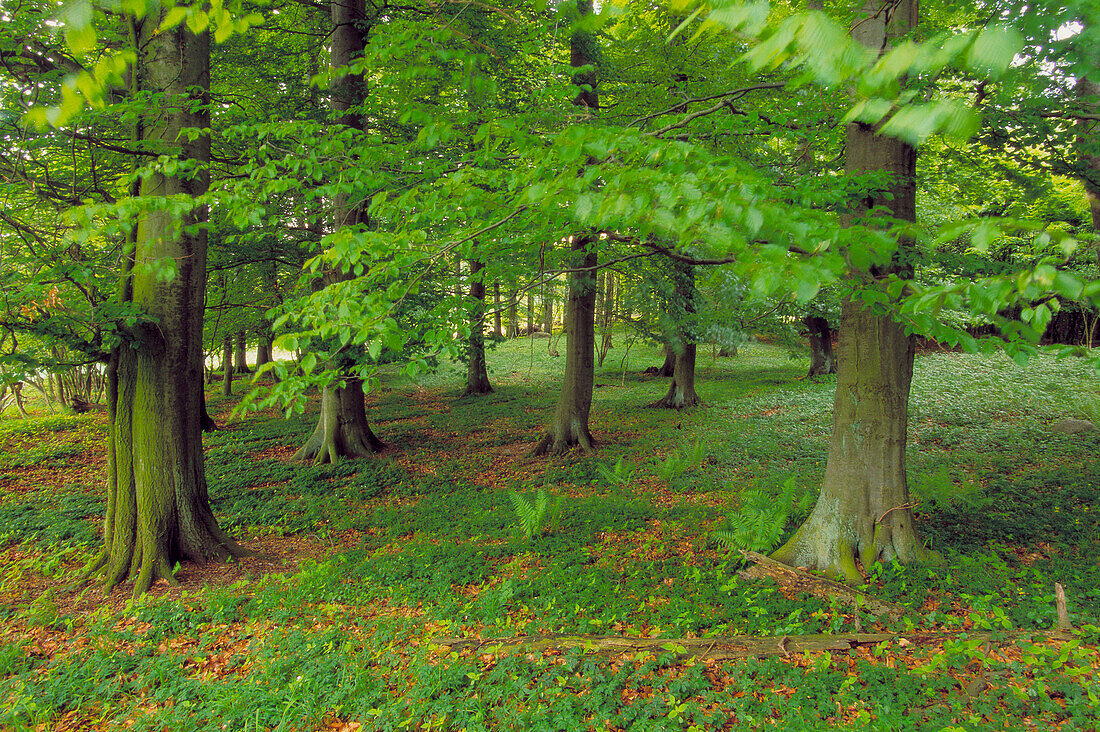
455 531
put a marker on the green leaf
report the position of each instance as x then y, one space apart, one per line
993 50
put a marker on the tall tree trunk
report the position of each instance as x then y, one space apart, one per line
569 427
1089 143
497 325
477 375
513 313
681 392
342 429
820 335
158 510
227 365
530 312
240 354
863 512
548 309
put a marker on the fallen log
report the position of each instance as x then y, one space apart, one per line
718 648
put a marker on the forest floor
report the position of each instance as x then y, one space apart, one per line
380 589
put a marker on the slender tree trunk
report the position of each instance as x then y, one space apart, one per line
513 314
548 310
227 365
681 391
607 315
820 335
477 374
863 511
342 429
530 313
240 357
569 427
1089 144
158 510
497 329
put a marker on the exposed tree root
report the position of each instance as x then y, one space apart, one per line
794 578
342 430
555 443
840 551
677 398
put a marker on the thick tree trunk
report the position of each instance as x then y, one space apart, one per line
477 375
240 354
820 335
681 392
263 348
569 427
863 511
342 430
205 420
227 366
158 510
668 368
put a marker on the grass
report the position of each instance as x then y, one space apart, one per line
365 562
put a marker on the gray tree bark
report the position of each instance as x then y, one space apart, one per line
863 512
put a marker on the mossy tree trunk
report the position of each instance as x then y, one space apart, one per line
569 426
342 430
863 513
477 374
158 509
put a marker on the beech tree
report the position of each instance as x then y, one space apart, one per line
158 510
569 424
342 429
681 391
863 511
